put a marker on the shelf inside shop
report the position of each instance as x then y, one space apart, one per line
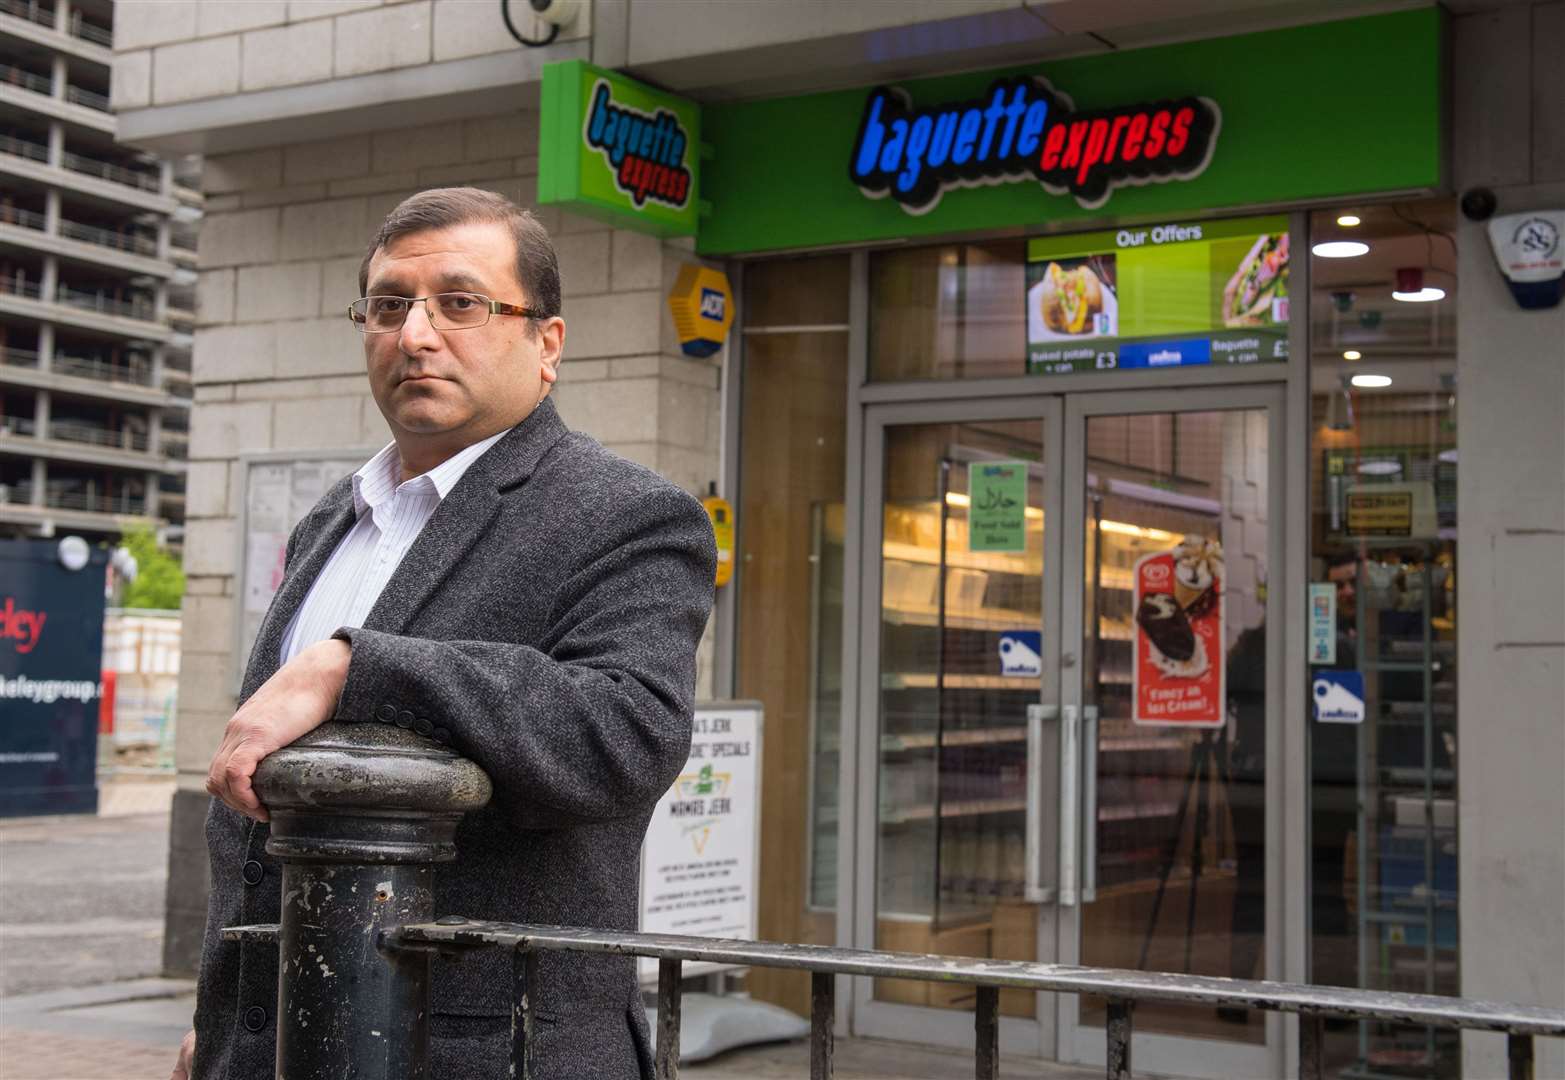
1138 812
951 808
974 737
966 560
1413 777
1414 710
927 680
1441 650
985 619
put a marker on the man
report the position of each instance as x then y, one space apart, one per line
511 588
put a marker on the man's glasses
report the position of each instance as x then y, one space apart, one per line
446 311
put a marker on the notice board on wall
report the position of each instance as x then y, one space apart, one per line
700 861
276 491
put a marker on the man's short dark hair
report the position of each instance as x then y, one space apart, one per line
537 267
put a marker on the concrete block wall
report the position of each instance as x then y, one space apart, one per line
278 367
169 52
1509 136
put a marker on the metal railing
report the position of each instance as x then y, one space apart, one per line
31 11
19 357
86 367
17 425
77 96
107 170
130 309
10 144
17 286
92 234
373 804
95 503
27 80
98 35
76 432
27 219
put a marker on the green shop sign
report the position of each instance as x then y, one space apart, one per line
1144 135
618 150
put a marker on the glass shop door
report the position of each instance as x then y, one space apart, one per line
959 585
1067 708
1173 528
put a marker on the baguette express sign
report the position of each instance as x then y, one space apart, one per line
1023 129
618 150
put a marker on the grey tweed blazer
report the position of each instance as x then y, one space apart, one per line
547 617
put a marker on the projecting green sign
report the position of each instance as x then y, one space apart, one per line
618 150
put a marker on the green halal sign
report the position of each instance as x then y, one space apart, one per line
618 150
997 506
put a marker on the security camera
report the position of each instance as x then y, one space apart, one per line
1478 204
555 12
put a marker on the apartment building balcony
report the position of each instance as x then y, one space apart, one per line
39 24
35 93
94 312
130 252
72 511
84 376
81 444
27 160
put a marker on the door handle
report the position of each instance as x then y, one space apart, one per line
1089 802
1070 803
1038 890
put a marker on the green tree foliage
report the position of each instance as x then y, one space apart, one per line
160 582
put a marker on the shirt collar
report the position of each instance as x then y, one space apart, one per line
376 482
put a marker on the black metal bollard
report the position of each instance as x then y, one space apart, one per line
361 813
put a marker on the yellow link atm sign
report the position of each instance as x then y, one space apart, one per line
618 150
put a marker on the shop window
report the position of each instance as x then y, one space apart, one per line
793 424
1383 753
953 311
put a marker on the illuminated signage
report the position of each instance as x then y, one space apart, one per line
618 150
1023 129
1174 294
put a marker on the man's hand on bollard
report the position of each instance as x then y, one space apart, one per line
300 697
187 1056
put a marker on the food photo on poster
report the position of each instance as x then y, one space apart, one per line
1179 660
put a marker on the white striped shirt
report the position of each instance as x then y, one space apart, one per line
351 582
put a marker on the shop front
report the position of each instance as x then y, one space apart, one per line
1091 436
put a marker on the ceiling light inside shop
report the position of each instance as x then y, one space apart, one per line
1125 529
1352 354
1347 221
1380 467
1371 382
1340 249
1423 296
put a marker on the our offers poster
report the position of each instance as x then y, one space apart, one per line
1180 663
1173 295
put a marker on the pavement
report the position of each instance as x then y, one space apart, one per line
81 997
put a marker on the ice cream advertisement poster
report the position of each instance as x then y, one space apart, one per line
698 862
1179 665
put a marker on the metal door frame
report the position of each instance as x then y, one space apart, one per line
880 1019
1173 1054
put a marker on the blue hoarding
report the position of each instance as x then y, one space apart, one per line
51 656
